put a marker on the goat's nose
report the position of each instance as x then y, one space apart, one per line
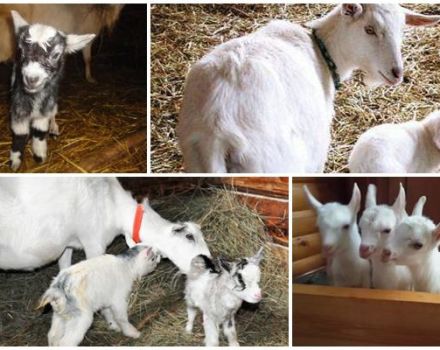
257 295
386 252
31 80
397 72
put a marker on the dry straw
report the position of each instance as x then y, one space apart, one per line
182 34
156 304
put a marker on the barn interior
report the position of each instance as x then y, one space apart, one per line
103 124
237 215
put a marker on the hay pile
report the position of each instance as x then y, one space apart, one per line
182 34
156 306
96 120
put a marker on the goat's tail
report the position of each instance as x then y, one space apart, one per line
56 298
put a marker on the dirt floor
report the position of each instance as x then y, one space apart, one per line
182 34
103 125
157 307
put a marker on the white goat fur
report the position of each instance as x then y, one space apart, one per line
377 224
411 147
69 18
341 240
44 219
219 292
264 102
102 283
423 261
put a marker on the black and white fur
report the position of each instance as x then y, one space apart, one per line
218 290
98 284
36 75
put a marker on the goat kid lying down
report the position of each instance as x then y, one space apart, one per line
98 284
218 289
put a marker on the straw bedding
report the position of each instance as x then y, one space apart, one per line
156 305
182 34
95 119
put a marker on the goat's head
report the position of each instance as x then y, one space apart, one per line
369 36
378 221
415 238
335 220
41 50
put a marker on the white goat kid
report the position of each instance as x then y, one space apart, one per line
411 147
415 245
44 219
341 240
102 283
377 224
218 291
264 102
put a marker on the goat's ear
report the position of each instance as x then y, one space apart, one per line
352 10
370 201
418 207
400 204
355 201
18 21
77 42
312 200
436 233
416 19
178 228
256 259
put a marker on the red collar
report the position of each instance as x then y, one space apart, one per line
137 223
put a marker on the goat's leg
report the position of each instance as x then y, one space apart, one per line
192 313
230 331
93 249
76 328
66 259
110 319
211 331
54 130
119 310
39 131
20 134
87 56
56 331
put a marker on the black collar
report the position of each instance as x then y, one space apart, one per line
328 60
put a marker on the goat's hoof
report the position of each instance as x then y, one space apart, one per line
39 159
54 135
91 80
114 327
132 333
188 330
14 164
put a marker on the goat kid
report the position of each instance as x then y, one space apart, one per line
102 283
411 147
377 224
218 290
264 102
341 240
36 75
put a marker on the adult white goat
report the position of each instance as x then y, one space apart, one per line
264 102
411 147
377 224
44 219
341 240
69 18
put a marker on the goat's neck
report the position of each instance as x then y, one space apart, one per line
330 32
426 273
349 249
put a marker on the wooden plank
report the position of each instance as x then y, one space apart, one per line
333 316
305 246
303 222
274 186
310 263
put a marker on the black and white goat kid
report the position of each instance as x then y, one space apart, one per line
35 80
218 290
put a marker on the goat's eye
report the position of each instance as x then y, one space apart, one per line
386 231
417 245
190 237
346 227
55 55
370 30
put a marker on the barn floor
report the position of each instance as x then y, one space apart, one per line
182 34
103 125
156 305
